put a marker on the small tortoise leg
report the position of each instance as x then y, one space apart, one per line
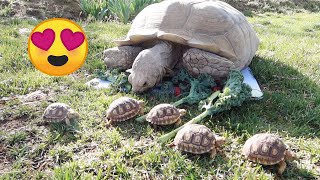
213 153
197 61
109 123
282 166
155 127
68 121
141 104
121 57
178 122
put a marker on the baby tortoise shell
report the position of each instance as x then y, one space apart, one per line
267 149
165 114
123 109
197 139
58 112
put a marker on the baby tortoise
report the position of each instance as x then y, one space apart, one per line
123 109
197 139
165 114
58 112
267 149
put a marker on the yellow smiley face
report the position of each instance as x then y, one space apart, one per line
57 47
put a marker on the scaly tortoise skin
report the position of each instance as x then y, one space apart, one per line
197 139
123 109
165 114
213 38
58 112
267 149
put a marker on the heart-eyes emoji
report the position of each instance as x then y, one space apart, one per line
57 46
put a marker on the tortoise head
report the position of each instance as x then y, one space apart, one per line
73 114
182 112
148 68
144 74
290 156
219 141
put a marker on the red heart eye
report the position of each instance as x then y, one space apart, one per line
71 40
43 40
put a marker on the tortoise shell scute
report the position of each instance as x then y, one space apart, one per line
56 112
265 148
123 109
195 138
163 114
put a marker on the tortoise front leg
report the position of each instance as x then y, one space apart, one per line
154 126
121 57
198 61
282 166
67 121
178 122
213 153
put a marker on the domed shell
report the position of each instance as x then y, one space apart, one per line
123 109
163 114
195 138
56 112
213 26
264 148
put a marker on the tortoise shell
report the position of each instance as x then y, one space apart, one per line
264 148
123 109
214 26
163 114
195 138
57 112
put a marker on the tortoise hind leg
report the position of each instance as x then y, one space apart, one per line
121 57
108 123
198 61
282 166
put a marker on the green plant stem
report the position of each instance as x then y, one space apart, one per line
141 118
191 92
195 120
209 111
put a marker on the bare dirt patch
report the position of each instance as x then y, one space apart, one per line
43 9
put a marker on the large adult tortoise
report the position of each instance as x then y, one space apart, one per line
210 36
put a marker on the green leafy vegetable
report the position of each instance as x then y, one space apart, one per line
234 93
200 88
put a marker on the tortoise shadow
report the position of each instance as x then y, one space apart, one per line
64 133
291 103
293 170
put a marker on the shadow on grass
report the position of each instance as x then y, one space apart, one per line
291 104
63 133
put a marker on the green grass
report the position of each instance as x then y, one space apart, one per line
287 65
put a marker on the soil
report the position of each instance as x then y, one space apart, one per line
43 9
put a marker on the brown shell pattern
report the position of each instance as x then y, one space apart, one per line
123 109
56 112
264 148
195 138
163 114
